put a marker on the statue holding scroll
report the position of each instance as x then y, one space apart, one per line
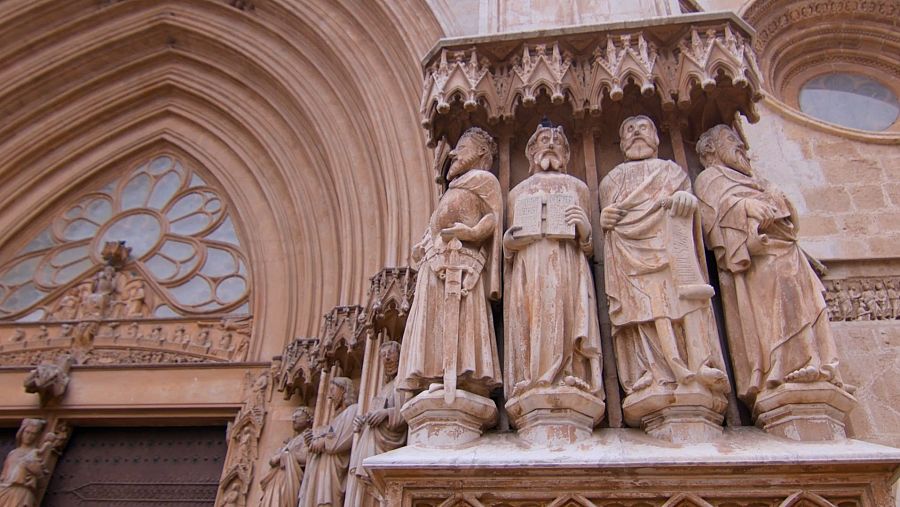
552 331
774 306
659 301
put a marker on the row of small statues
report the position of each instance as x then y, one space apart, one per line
664 333
864 300
110 294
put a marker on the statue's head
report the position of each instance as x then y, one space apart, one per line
638 138
474 150
390 357
29 432
301 419
721 145
342 392
548 149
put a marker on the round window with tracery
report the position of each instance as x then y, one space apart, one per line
850 100
181 236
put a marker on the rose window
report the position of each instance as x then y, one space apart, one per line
183 243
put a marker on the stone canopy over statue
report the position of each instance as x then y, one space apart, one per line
449 345
664 333
782 347
553 372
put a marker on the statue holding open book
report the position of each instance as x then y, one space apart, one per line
552 331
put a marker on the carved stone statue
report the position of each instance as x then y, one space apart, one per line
49 380
665 337
552 331
325 478
775 311
281 485
25 466
449 339
68 306
381 429
136 306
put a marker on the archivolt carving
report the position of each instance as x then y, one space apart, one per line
243 438
585 75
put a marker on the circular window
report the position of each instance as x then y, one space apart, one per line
850 100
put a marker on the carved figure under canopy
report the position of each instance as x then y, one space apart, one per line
381 429
773 300
551 326
659 301
25 466
449 337
325 477
281 485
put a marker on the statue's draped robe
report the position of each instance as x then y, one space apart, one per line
550 310
22 471
325 478
422 357
773 298
281 485
640 283
374 440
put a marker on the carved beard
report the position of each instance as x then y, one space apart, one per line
736 158
390 368
548 158
639 148
461 165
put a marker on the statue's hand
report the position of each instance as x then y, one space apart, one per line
683 204
610 217
577 217
358 422
513 244
376 417
307 438
761 212
459 231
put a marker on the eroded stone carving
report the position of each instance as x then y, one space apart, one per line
381 429
28 465
281 485
50 379
782 348
449 346
243 438
325 478
553 371
667 350
850 300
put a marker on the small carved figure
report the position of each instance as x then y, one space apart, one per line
869 301
225 340
381 429
847 309
894 298
884 303
43 334
202 339
157 335
25 466
49 380
134 332
552 330
84 333
659 301
781 329
325 477
281 485
136 306
449 338
180 337
68 306
65 331
18 335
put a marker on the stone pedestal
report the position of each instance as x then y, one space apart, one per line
811 412
554 416
434 423
688 414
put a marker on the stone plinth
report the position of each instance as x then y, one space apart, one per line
811 412
690 413
434 423
554 416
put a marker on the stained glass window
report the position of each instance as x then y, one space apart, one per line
850 100
178 227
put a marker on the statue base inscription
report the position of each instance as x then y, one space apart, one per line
555 416
810 412
435 423
690 413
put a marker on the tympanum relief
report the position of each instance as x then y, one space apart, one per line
782 348
552 334
664 333
449 354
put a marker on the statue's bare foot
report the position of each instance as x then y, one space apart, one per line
577 383
644 382
520 388
803 375
713 378
435 387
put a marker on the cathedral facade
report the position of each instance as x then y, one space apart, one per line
450 253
